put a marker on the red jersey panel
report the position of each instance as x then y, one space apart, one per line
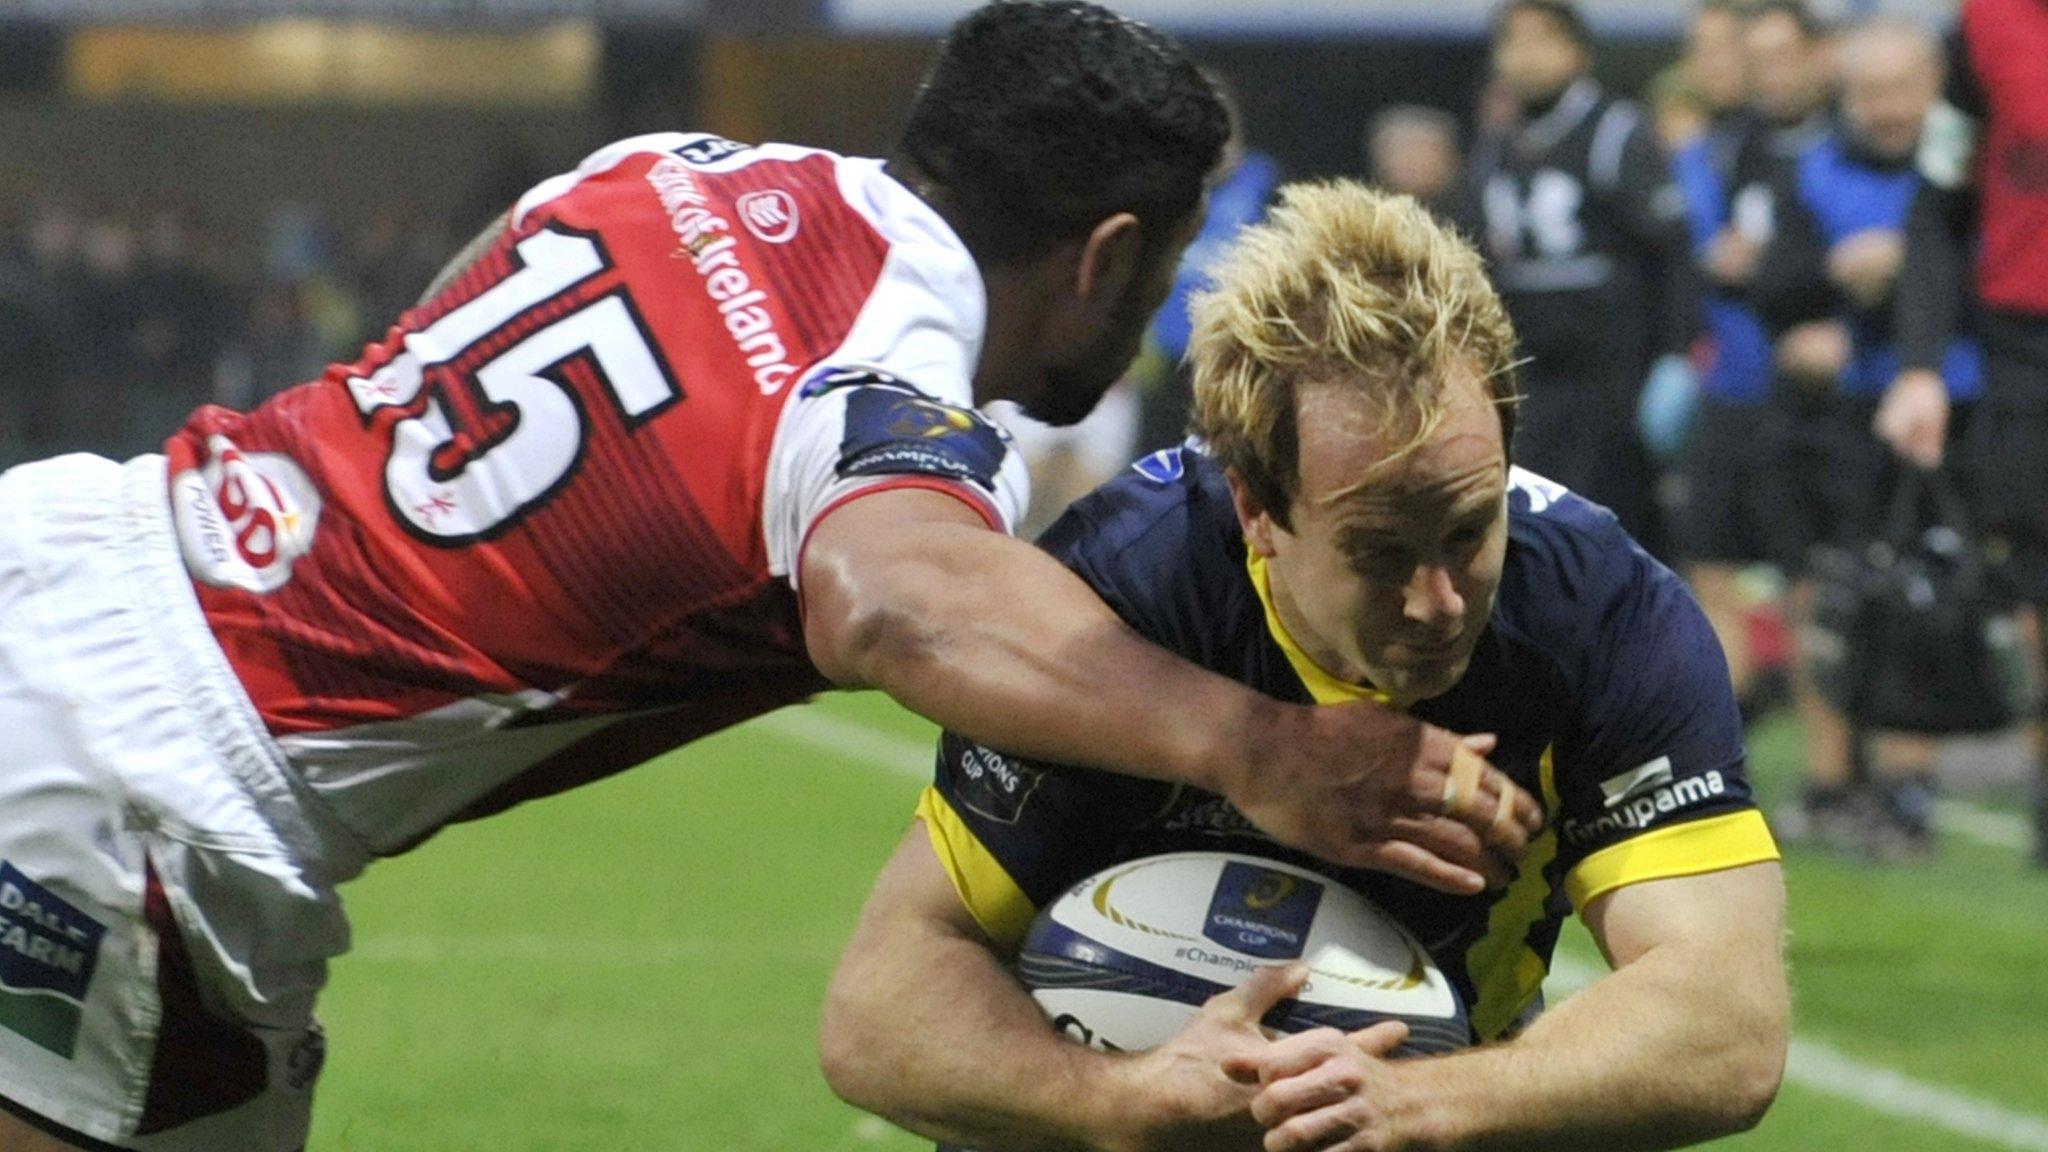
563 492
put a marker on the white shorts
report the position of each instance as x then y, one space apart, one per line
167 902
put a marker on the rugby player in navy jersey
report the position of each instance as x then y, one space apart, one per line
1353 529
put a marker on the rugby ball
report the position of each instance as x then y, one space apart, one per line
1122 961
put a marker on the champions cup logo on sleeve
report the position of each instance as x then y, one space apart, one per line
242 519
1262 911
48 950
901 431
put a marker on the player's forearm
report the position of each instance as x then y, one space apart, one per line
1686 1044
997 641
924 1027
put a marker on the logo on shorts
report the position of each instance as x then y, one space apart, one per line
48 950
988 783
1262 912
771 215
243 518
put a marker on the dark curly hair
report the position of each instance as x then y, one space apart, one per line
1040 118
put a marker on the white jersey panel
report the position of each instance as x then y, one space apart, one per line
921 330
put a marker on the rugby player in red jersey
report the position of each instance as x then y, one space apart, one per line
687 436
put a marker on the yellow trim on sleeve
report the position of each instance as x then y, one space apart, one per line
1322 686
1710 845
985 887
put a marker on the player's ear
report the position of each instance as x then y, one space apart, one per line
1110 257
1252 517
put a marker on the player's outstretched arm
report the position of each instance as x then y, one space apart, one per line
925 1026
1684 1042
907 591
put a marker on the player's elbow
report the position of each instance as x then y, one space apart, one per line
1754 1079
839 1058
850 1049
1751 1068
872 632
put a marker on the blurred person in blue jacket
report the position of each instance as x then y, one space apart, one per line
1825 289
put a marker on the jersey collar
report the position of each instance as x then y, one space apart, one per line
1324 687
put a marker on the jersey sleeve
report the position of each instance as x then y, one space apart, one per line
1653 785
1013 834
849 433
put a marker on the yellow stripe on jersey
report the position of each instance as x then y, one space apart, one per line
998 904
1322 687
1710 845
1506 973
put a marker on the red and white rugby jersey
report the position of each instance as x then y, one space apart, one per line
549 526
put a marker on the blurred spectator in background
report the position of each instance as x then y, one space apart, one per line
1585 231
1678 108
1825 286
134 317
1721 505
1243 188
1786 68
1984 169
1414 151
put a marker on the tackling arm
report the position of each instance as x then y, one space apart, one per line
1685 1041
907 590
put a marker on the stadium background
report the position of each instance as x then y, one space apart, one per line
207 199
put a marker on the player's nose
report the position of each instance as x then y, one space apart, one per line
1432 596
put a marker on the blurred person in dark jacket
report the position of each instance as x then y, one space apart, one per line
1826 288
1722 517
1584 226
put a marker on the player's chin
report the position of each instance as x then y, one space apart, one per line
1426 679
1069 396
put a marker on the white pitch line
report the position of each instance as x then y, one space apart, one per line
836 736
1995 829
1810 1064
1828 1070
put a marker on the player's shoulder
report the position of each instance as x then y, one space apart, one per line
1570 567
768 188
1172 505
1160 542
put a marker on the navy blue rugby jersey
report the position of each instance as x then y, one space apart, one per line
1598 671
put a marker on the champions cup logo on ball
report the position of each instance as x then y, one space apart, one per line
1261 911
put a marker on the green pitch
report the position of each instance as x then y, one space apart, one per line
637 966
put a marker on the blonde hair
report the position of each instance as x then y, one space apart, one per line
1348 286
